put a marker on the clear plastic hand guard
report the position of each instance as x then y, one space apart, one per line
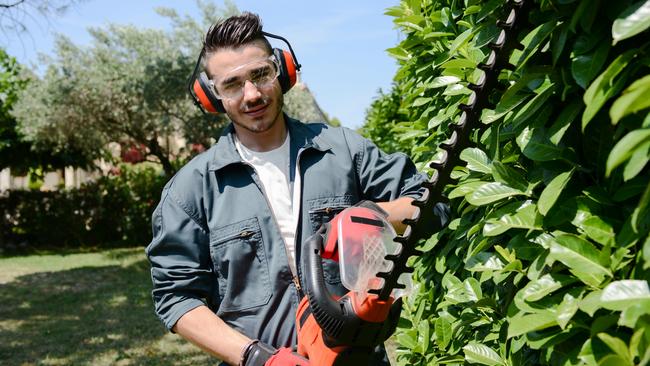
365 237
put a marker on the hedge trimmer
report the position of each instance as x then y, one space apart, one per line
343 331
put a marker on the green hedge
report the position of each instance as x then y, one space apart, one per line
547 258
115 210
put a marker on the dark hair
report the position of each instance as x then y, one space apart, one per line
236 31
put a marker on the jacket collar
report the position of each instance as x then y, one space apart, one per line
301 138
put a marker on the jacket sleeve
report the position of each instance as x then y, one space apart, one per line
180 260
384 177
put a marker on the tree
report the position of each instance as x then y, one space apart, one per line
127 89
15 152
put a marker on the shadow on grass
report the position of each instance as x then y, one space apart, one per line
89 315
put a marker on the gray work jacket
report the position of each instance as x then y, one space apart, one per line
216 242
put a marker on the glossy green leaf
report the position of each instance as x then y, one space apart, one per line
635 342
441 81
624 148
637 162
399 53
459 41
558 41
633 99
424 336
552 192
581 257
587 41
613 360
586 355
598 230
566 310
632 21
544 240
525 217
617 345
508 176
590 303
394 11
620 295
538 289
491 192
584 68
564 121
533 106
640 214
533 40
479 353
443 332
476 159
473 289
432 35
606 85
484 261
646 253
411 22
631 315
456 294
524 323
407 340
458 63
536 146
464 189
421 101
456 89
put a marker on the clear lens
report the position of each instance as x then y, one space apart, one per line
262 73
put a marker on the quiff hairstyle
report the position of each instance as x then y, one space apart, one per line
234 32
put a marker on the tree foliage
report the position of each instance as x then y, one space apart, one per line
127 88
15 152
547 257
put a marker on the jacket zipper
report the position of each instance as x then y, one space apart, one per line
294 276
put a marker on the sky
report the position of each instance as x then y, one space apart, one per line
340 44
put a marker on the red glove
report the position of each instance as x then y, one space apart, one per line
284 357
260 354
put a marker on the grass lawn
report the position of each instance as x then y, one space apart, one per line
84 309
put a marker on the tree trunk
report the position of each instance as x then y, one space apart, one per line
157 151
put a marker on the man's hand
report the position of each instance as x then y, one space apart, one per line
260 354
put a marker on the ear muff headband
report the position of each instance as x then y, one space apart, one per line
203 94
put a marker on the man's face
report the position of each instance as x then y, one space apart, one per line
235 73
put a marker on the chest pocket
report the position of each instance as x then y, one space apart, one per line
322 210
241 266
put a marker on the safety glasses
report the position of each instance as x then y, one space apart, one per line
262 73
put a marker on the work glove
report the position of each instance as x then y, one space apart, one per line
260 354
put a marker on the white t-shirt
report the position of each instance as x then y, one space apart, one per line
272 167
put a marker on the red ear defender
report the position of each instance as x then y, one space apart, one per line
204 95
288 70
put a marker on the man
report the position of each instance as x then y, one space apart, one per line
228 228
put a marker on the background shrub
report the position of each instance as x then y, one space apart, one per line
547 258
114 210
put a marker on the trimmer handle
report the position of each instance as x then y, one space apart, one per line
341 322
